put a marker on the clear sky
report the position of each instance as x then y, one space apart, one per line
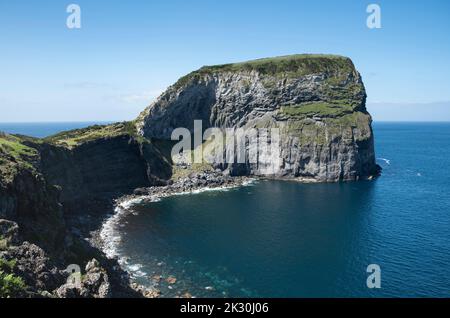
127 52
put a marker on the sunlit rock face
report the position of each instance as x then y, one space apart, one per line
316 101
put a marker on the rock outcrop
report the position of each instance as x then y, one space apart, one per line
317 102
94 284
34 266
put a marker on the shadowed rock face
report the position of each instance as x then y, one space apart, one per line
33 203
102 167
53 192
317 102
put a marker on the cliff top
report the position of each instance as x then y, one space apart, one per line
289 65
19 152
76 137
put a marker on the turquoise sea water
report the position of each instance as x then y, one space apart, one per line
286 239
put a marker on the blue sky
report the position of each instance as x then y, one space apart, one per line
127 52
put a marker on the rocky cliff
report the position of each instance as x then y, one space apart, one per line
53 193
316 101
101 162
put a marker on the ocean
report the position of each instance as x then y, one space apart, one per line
287 239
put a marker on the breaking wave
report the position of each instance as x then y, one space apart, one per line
110 233
387 161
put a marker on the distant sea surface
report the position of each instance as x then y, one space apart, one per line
41 130
286 239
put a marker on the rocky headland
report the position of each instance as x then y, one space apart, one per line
56 192
318 102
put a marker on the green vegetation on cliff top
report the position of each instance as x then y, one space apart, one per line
77 137
14 155
13 146
290 66
17 152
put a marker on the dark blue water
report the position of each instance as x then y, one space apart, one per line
41 130
286 239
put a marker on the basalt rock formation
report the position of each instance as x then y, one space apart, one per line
317 102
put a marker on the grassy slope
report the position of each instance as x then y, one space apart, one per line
14 155
76 137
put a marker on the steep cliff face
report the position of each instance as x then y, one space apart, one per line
53 192
316 101
26 197
101 167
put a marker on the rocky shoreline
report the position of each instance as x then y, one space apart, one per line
194 183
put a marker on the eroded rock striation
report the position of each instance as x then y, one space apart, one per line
317 102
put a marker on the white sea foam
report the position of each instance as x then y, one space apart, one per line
135 270
110 233
135 267
388 162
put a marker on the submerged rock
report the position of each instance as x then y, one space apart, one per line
171 280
